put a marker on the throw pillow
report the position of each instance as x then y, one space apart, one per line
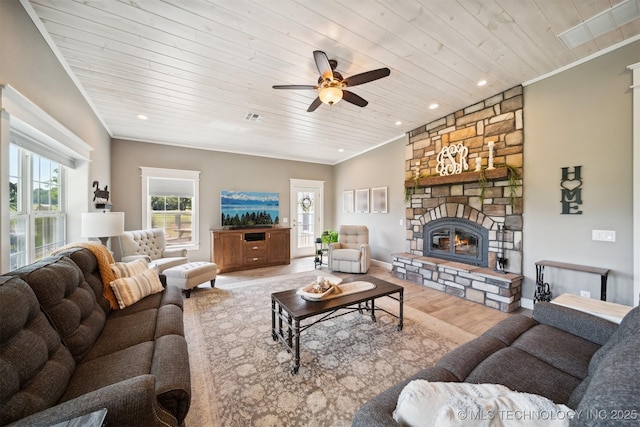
129 290
129 269
422 403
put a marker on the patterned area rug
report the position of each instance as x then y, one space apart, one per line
241 377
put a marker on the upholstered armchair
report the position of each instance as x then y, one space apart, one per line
351 253
151 245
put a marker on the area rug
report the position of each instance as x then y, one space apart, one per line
241 377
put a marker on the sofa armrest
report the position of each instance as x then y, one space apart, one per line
130 258
174 253
129 402
584 325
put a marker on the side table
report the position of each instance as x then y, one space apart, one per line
543 293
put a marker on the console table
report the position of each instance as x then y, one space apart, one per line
542 289
244 249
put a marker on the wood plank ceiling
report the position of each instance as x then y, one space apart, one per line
196 69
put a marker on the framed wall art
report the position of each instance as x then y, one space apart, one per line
379 200
347 201
362 200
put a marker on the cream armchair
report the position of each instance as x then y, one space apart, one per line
151 244
351 254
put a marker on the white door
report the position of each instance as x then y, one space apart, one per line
307 201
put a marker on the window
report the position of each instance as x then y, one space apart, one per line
170 202
37 217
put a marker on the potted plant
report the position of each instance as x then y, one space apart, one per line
329 236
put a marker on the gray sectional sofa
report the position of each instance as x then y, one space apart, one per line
64 352
573 358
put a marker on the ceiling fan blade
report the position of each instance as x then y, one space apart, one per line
366 77
314 105
295 87
322 62
353 98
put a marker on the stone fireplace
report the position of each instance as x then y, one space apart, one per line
464 231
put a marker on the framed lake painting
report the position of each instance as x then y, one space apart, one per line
246 209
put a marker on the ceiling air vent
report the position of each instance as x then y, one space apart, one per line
253 117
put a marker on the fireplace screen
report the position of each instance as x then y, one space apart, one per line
456 239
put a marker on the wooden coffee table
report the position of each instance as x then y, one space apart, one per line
288 309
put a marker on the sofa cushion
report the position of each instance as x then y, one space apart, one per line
129 290
110 369
523 372
67 300
550 345
129 269
35 367
88 264
352 255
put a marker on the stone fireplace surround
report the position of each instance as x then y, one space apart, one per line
498 119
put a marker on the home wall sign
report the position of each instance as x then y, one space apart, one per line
452 160
571 190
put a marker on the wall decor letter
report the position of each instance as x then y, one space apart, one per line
452 160
571 190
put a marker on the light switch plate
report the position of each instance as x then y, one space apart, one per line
603 235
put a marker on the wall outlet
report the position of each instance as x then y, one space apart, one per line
585 294
285 220
401 222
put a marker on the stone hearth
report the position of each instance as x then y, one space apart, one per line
501 291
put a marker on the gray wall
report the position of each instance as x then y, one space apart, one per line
581 117
30 67
382 167
220 171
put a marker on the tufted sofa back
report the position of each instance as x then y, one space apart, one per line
67 300
352 236
35 368
144 242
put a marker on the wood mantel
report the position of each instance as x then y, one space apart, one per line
431 181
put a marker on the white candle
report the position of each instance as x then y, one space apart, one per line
490 165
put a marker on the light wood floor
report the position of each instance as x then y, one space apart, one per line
466 315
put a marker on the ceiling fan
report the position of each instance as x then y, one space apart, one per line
331 84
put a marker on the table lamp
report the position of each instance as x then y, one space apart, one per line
102 225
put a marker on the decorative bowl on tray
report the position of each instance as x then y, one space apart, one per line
315 291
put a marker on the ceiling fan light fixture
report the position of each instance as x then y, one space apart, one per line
330 95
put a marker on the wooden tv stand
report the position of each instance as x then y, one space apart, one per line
244 249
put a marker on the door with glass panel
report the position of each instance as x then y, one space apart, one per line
306 216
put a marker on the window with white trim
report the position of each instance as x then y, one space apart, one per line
170 202
37 215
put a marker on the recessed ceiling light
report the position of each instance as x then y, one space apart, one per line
433 106
482 82
142 117
398 123
340 150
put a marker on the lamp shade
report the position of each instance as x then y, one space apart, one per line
102 224
330 95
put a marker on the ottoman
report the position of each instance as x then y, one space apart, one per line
189 275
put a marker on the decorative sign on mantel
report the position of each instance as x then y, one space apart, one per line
452 160
571 190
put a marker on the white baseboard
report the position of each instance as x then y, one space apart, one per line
382 264
526 303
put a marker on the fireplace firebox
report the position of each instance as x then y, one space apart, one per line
456 239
